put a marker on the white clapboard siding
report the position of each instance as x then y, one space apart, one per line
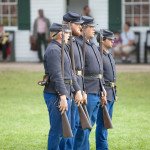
100 12
22 47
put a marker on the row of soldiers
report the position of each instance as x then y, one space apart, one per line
86 77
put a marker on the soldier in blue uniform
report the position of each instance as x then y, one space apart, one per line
75 21
58 90
93 77
109 73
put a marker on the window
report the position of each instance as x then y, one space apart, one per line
137 12
8 12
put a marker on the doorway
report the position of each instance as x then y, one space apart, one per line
76 5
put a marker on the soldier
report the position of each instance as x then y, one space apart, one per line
75 21
109 73
92 80
58 90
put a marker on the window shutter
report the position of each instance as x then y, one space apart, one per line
24 14
115 15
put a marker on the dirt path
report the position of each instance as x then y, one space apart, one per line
36 67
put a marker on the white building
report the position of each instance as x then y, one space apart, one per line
18 16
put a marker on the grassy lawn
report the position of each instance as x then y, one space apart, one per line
24 120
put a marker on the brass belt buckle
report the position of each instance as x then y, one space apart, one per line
70 82
79 73
100 76
112 84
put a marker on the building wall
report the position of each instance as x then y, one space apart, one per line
77 5
100 11
142 31
53 10
22 46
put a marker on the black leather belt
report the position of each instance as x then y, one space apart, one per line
97 76
46 81
79 72
110 84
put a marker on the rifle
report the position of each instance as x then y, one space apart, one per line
83 53
67 132
106 118
82 114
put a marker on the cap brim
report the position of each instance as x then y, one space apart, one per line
78 22
54 30
91 25
112 38
67 30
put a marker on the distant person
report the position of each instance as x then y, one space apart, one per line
127 45
4 43
86 11
41 32
117 42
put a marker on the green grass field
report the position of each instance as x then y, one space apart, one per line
24 121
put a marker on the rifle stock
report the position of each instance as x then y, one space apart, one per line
86 112
106 118
67 132
85 123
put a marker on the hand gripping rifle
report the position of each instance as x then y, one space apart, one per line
82 110
106 117
67 132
